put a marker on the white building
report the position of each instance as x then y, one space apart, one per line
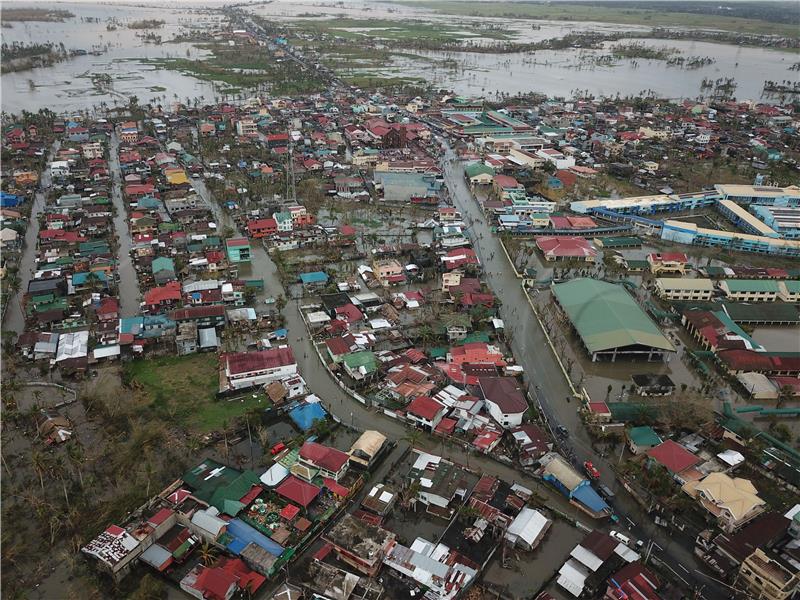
248 369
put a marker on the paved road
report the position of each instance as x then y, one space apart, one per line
128 287
14 319
534 354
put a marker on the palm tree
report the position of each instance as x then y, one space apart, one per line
39 462
76 456
58 469
207 553
413 436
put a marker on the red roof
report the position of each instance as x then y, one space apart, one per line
171 292
505 393
565 247
297 491
424 407
337 346
505 181
446 426
108 306
347 230
214 583
160 516
350 313
246 362
335 487
673 456
247 579
599 408
289 512
324 457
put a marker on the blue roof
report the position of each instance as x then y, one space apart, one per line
586 495
280 333
315 277
83 277
305 415
243 535
131 325
9 200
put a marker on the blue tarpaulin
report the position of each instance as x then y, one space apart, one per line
305 415
9 200
243 535
586 495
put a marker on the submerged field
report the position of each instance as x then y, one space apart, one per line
618 13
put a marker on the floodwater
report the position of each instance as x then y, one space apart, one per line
778 339
128 291
14 318
563 72
67 86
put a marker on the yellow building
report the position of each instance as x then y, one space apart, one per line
767 578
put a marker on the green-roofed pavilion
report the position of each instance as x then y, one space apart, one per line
609 322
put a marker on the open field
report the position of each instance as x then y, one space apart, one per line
608 14
183 389
34 14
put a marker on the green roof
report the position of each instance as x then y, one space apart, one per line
476 336
792 286
478 168
644 436
752 285
365 359
606 317
631 411
437 352
620 241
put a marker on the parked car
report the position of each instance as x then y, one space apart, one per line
620 538
562 431
277 448
605 492
591 471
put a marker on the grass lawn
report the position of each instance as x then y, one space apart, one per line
183 390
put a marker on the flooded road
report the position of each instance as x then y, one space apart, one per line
128 286
535 356
14 318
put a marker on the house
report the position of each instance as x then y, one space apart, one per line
479 173
769 576
359 544
238 250
259 228
505 400
115 549
667 262
733 501
314 279
532 443
442 483
479 353
527 529
157 298
388 271
366 449
360 365
316 459
673 457
248 369
641 439
634 581
425 412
